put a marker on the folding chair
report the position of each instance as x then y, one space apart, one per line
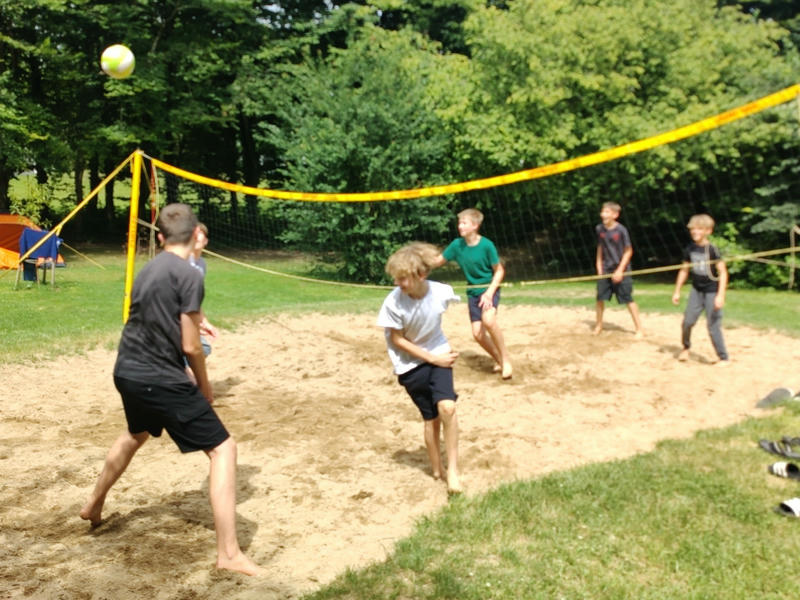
44 257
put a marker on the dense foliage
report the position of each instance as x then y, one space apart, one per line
393 94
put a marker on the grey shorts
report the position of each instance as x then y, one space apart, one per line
622 290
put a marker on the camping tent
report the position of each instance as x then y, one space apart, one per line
11 227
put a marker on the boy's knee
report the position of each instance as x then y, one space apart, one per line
446 408
228 447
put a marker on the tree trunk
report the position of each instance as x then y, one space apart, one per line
94 181
108 210
5 182
79 221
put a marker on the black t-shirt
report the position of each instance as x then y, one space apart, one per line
150 348
705 275
613 243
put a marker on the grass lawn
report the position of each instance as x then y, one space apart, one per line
84 309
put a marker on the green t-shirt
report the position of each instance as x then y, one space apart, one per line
476 261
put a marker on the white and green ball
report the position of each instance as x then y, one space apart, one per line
117 61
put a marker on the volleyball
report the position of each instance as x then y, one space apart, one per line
117 61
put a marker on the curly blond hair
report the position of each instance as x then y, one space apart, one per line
416 258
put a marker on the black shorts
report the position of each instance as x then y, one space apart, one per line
179 408
427 384
473 304
622 290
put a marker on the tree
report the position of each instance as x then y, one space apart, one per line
365 118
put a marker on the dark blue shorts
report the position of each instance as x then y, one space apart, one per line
622 290
475 312
179 408
427 384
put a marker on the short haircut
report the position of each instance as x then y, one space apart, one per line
702 220
613 206
177 223
203 228
416 258
473 214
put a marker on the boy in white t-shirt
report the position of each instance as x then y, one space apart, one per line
411 316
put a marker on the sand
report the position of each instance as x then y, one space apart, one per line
332 467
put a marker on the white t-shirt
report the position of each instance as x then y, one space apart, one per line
420 320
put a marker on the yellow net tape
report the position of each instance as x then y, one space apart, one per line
669 137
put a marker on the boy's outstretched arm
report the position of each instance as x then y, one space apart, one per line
438 261
193 350
719 299
406 345
683 275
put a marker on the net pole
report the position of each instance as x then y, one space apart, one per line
136 170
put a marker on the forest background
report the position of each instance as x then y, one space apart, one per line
391 94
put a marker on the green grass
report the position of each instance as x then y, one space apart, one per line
84 309
692 519
762 309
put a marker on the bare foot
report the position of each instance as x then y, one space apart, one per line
240 564
92 511
684 355
437 475
453 484
722 363
597 329
496 368
638 335
507 371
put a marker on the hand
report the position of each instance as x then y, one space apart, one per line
676 298
208 330
719 302
208 392
485 302
616 276
445 360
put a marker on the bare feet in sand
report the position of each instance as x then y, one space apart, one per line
597 329
453 484
92 511
684 355
638 335
504 369
240 564
507 371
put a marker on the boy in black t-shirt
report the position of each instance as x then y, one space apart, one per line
709 283
150 375
614 252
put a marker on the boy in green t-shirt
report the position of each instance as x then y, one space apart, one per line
478 259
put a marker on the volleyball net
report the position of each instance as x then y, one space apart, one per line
542 219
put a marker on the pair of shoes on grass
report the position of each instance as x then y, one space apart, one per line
786 470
